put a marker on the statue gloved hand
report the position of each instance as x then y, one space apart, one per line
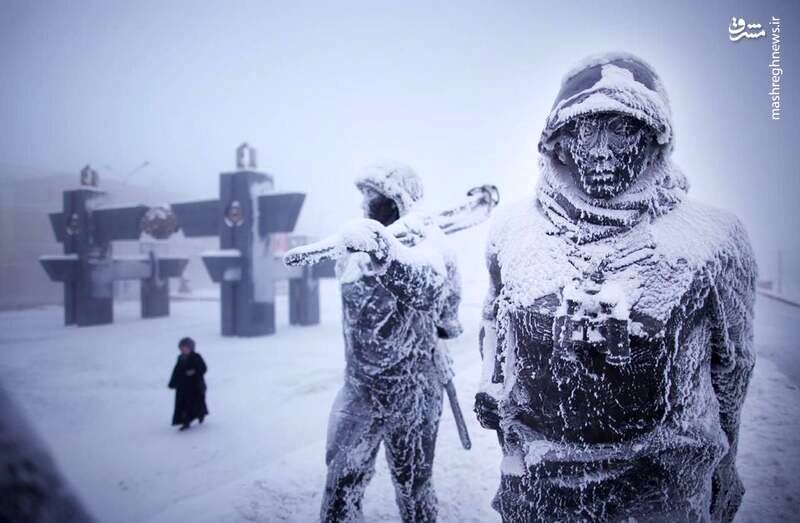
370 237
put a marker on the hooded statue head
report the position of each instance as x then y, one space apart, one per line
609 122
606 144
390 190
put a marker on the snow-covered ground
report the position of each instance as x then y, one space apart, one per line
98 397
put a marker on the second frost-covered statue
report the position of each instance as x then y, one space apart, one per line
617 337
397 302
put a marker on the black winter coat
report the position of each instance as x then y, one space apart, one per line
190 388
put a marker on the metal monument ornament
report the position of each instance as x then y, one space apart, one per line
73 225
89 177
159 223
234 217
246 157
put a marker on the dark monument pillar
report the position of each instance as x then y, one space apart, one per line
154 291
248 309
88 295
304 298
154 295
304 287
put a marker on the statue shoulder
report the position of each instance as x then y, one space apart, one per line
698 231
519 221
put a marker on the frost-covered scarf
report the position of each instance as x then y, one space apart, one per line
618 83
585 219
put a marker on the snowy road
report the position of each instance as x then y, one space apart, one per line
98 397
778 335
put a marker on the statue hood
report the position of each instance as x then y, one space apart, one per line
620 83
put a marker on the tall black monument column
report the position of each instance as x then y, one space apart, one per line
88 295
245 310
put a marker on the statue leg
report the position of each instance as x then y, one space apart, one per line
354 436
410 446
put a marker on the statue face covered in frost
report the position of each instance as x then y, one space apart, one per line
379 207
606 152
617 333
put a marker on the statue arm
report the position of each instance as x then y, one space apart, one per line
491 350
732 298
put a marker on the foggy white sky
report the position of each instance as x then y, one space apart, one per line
458 91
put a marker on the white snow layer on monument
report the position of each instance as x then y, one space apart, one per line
261 257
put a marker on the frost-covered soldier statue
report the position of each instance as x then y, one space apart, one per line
617 335
397 302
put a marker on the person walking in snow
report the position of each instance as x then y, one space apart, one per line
188 380
617 335
397 302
